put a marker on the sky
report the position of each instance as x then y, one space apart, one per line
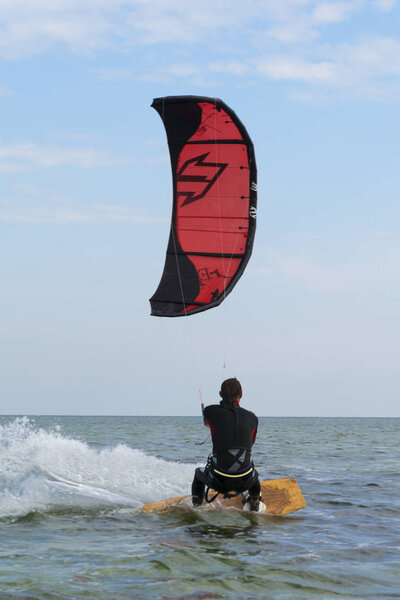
312 328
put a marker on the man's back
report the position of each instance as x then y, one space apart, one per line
233 429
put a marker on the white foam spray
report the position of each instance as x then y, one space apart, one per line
40 470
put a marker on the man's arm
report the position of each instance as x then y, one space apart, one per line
254 432
207 421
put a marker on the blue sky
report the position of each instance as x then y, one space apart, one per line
312 327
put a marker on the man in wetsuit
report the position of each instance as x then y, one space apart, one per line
233 432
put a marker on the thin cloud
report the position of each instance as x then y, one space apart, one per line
292 32
384 5
113 74
368 68
310 274
378 270
19 156
232 67
295 69
5 91
333 12
372 57
181 70
35 210
288 36
86 26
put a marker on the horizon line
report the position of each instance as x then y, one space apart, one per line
200 417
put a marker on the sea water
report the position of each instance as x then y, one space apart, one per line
70 527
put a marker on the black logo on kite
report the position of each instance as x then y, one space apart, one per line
197 170
205 275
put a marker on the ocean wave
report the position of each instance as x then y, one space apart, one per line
41 469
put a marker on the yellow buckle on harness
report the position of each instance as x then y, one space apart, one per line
233 476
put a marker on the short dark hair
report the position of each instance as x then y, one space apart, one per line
231 389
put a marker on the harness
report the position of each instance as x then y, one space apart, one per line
224 486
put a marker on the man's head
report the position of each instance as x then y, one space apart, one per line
231 390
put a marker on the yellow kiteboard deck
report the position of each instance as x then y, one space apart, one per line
280 496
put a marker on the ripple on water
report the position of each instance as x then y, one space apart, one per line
70 534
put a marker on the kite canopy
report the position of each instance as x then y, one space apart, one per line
214 204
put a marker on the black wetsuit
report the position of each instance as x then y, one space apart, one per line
229 468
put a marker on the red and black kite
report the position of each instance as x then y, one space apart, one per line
214 204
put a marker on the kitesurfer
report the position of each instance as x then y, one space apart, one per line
233 431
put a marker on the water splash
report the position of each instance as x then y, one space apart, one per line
41 470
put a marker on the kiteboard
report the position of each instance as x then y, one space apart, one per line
280 496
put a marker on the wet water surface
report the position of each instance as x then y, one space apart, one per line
71 488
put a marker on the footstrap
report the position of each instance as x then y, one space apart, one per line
231 494
209 500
